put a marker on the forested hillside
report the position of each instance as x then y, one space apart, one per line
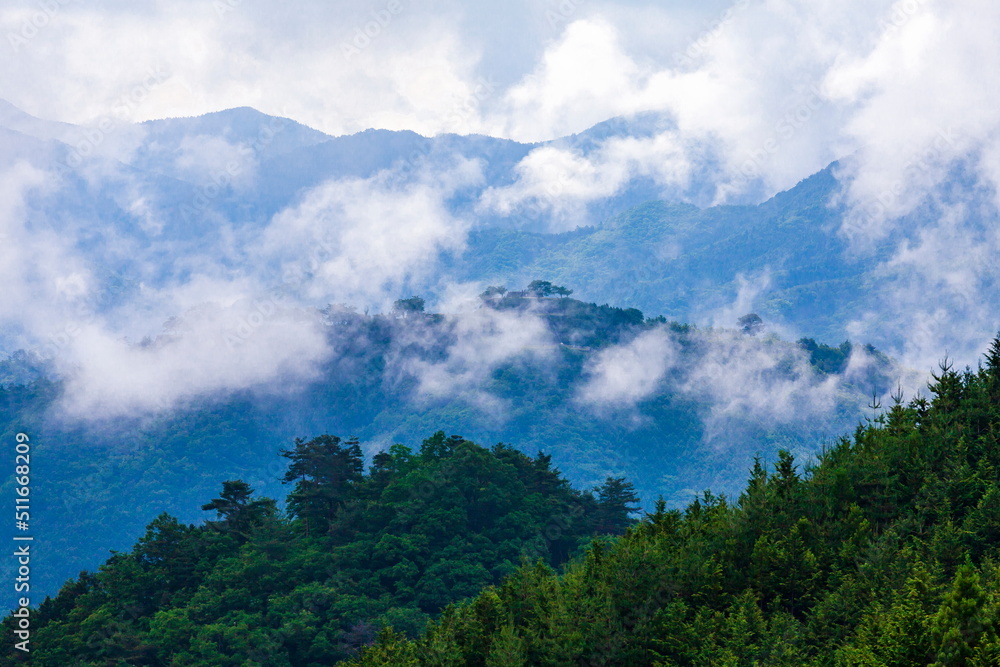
537 372
884 554
390 546
668 257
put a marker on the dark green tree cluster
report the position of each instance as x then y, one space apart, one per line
543 288
357 552
885 553
750 324
406 307
829 359
536 288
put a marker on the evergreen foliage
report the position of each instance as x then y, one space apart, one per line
358 552
885 553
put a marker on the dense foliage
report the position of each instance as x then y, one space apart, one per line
886 553
359 551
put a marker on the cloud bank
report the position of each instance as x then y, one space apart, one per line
748 98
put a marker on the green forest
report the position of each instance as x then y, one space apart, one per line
884 552
354 552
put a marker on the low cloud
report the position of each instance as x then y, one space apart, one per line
204 352
241 311
734 380
904 93
938 292
745 378
624 375
45 283
481 341
557 183
364 240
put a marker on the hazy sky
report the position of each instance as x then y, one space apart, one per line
338 66
783 87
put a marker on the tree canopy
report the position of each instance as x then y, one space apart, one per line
358 550
885 552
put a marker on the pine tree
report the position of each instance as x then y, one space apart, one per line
235 510
962 621
992 369
616 500
324 471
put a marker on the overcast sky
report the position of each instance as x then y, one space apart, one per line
783 86
338 66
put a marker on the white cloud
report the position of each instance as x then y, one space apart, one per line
240 317
483 340
361 240
757 380
560 182
583 79
748 294
939 291
205 158
733 380
754 97
44 283
206 351
624 375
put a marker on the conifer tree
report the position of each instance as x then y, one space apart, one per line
616 500
236 510
962 621
324 471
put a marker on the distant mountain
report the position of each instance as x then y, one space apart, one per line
685 262
16 120
169 189
145 207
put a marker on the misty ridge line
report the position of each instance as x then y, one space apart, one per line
735 376
263 312
434 242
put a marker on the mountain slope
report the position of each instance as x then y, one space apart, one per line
721 397
883 554
687 262
421 529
